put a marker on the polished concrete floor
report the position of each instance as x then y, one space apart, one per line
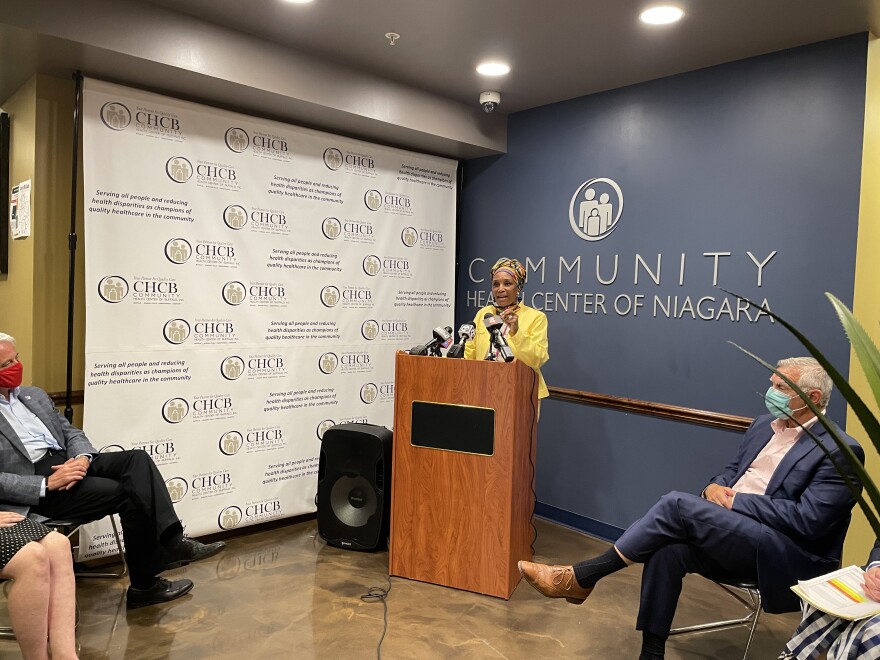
283 593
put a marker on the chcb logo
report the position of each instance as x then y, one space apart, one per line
229 518
179 169
331 228
176 331
330 296
328 362
231 442
409 236
595 208
237 139
235 216
178 250
113 289
373 200
115 116
175 410
177 488
232 367
332 158
234 293
323 426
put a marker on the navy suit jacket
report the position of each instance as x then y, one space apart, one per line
19 486
804 512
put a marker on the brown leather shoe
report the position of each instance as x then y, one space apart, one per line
554 581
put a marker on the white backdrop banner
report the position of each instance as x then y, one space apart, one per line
247 285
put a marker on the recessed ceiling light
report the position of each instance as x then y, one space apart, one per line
298 2
493 69
661 15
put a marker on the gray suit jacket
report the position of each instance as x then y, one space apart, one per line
19 486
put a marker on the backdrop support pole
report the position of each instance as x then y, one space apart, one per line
71 245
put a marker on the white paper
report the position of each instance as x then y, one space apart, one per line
20 210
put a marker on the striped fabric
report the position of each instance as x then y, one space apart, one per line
819 632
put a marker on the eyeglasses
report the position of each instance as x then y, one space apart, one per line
9 362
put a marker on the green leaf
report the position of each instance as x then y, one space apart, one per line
866 351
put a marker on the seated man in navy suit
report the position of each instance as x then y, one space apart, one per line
778 514
50 469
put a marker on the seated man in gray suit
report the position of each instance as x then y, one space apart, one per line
49 468
777 514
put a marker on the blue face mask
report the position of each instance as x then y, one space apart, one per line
777 404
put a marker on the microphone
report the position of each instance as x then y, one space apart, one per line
494 324
465 332
442 339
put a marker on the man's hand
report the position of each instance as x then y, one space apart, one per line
8 518
720 495
872 583
66 475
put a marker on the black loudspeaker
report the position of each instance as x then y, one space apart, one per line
354 486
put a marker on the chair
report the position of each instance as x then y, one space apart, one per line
735 588
71 526
6 631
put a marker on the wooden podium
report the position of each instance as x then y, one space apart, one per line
461 497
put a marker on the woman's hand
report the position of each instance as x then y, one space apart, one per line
872 583
8 518
512 321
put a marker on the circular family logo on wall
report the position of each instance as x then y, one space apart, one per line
595 208
370 329
369 392
232 367
373 199
328 362
323 426
175 410
115 115
234 293
332 158
330 296
409 236
178 250
331 228
177 488
176 331
229 518
178 169
237 139
235 216
230 443
372 264
113 288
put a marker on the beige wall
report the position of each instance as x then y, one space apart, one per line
866 299
34 293
17 287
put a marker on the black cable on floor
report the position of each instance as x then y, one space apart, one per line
532 463
373 595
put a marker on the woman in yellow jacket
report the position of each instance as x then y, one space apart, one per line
525 328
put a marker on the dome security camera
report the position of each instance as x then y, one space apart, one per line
490 100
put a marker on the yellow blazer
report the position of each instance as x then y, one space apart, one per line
529 344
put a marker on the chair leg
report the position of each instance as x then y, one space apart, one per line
749 619
6 631
107 574
754 595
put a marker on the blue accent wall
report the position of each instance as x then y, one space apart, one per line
759 156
